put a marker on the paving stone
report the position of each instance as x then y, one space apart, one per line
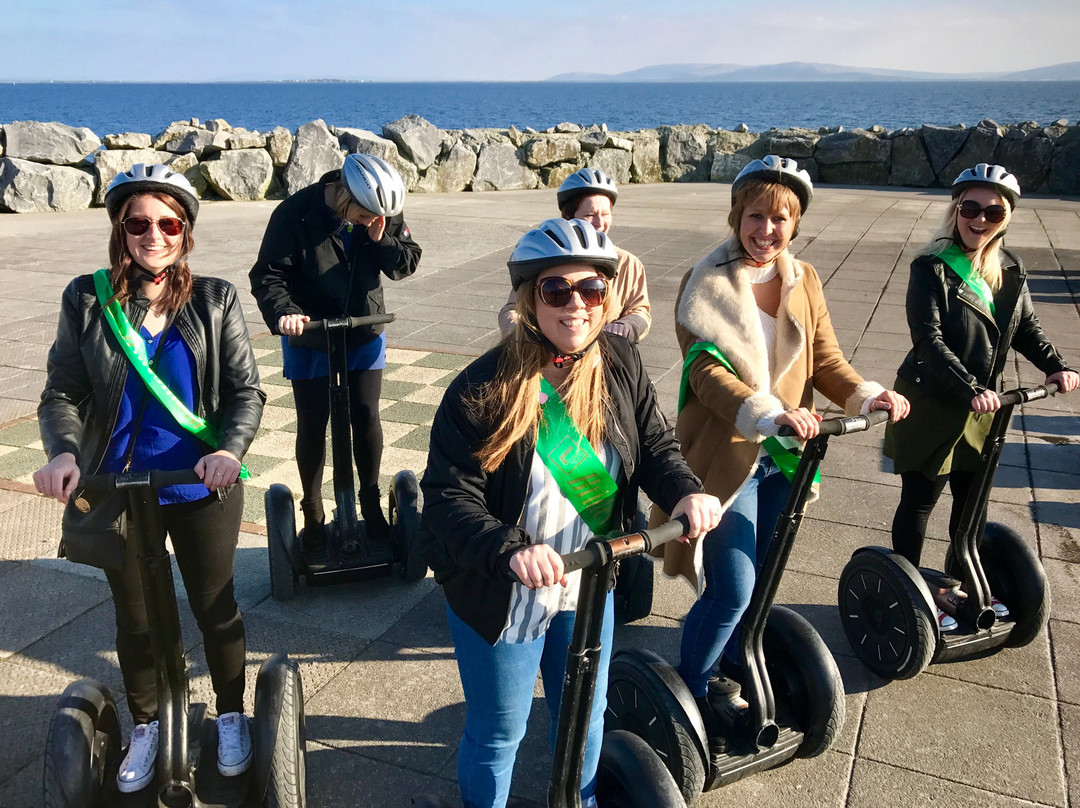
27 701
876 784
1064 580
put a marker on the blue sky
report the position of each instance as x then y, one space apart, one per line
200 40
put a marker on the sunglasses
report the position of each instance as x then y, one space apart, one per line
557 292
970 209
138 225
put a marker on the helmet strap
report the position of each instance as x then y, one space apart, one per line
559 359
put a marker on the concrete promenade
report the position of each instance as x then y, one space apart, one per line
383 700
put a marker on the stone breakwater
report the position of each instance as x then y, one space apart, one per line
52 166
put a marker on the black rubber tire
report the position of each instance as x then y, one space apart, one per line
405 525
634 589
286 783
82 750
804 676
888 622
281 541
655 707
1017 578
631 775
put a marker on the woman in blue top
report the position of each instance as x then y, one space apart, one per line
324 252
98 416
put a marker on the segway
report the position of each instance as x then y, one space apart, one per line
82 750
886 606
630 775
349 554
784 671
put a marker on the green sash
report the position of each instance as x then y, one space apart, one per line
784 451
134 348
961 265
573 463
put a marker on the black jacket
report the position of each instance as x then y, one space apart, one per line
959 348
302 267
87 370
470 517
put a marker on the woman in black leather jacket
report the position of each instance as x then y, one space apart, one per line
967 304
97 415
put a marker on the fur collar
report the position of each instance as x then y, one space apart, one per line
718 306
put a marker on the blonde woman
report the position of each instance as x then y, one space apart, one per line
967 304
537 445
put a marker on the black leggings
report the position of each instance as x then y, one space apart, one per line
918 496
312 398
204 535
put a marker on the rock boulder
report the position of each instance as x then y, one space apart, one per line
910 165
315 151
978 148
417 139
450 173
279 143
128 140
30 187
109 163
240 174
613 162
942 144
645 159
1026 157
498 168
682 152
544 151
54 143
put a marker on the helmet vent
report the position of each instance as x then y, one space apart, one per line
583 240
551 235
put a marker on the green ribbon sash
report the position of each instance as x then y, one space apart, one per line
574 464
134 347
784 451
961 265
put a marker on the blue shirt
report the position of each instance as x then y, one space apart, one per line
161 443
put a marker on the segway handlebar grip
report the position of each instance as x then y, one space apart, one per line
1023 395
135 479
843 426
335 323
598 553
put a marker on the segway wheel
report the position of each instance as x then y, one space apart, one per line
634 589
281 541
886 618
82 750
279 735
405 524
649 699
804 676
631 775
1018 580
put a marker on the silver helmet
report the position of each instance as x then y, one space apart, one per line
374 184
561 241
784 170
990 176
586 182
141 179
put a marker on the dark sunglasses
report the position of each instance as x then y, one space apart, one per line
556 292
138 225
971 209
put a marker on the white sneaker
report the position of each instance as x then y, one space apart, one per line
945 622
234 752
1001 611
137 768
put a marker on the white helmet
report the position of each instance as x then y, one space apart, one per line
141 178
374 184
991 176
783 170
586 182
561 241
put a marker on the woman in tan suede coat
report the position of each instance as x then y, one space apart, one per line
754 322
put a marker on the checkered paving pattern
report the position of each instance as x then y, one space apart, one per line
413 386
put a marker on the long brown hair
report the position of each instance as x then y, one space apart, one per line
122 267
511 401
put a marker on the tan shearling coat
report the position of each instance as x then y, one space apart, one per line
718 423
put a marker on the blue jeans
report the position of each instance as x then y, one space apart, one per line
498 682
732 553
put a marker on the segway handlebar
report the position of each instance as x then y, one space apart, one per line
1023 395
603 550
844 426
336 323
135 479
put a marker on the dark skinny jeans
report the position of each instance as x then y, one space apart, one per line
918 496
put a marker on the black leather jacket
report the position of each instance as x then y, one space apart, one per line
302 267
87 370
959 348
470 517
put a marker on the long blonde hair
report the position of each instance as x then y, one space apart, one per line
987 259
511 401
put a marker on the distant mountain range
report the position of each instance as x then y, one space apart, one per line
807 71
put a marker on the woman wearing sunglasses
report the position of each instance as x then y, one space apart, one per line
967 304
517 435
757 342
127 337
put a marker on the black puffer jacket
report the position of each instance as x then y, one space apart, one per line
87 370
302 267
959 348
470 517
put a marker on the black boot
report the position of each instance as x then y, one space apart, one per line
377 527
314 530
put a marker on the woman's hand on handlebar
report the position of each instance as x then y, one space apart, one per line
59 477
703 511
986 401
896 404
1066 380
218 469
538 565
804 422
292 325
